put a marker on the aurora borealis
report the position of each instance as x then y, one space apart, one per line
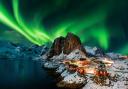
100 23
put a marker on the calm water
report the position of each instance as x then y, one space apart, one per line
24 74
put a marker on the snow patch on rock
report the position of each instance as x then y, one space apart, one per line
89 50
76 54
74 78
60 69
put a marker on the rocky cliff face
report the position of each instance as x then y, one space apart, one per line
66 45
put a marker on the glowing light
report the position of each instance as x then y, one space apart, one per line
38 34
7 19
87 66
108 62
90 70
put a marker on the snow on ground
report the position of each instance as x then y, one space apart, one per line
89 50
58 57
61 68
74 78
76 54
116 85
50 65
119 68
120 65
113 55
55 61
65 73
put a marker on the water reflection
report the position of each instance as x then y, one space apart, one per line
24 74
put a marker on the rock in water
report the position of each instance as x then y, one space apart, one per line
66 45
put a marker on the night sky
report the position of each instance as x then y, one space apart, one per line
102 23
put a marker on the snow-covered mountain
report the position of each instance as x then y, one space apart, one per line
119 69
106 70
10 50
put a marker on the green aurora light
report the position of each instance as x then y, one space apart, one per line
88 27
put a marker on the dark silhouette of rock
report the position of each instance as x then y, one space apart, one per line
66 45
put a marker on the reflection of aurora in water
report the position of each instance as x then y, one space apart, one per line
48 20
24 74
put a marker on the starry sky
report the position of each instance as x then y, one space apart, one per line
102 23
